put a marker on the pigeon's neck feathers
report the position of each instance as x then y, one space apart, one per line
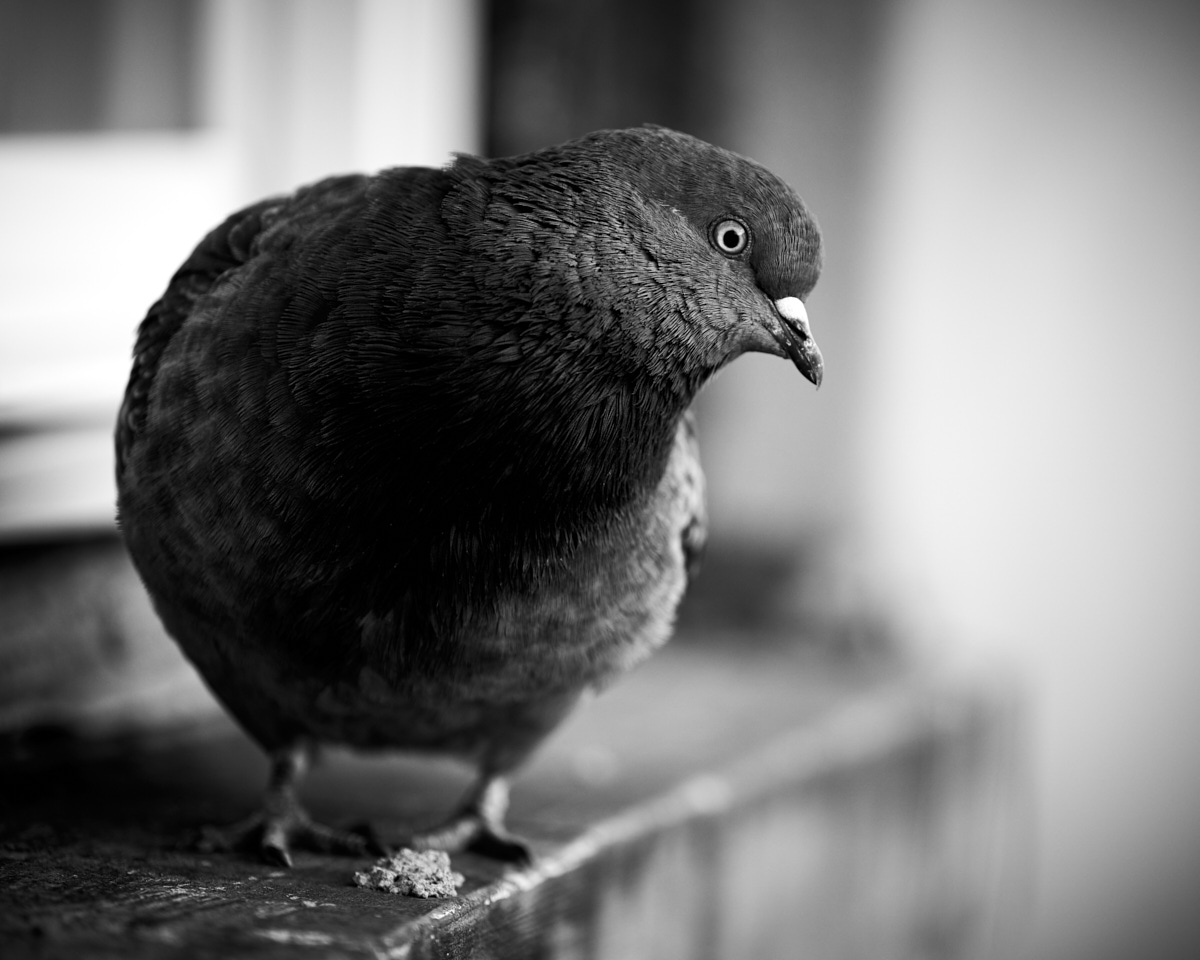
546 390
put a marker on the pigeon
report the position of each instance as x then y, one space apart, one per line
406 462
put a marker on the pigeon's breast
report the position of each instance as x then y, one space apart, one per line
601 611
598 616
612 606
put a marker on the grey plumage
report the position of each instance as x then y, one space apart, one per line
405 460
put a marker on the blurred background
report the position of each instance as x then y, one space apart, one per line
1004 460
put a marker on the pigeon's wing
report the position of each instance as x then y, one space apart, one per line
226 247
280 224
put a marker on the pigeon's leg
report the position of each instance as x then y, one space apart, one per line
478 825
282 821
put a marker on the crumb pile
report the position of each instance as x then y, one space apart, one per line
412 873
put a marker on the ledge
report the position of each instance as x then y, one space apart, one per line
729 799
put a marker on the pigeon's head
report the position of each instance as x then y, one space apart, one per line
639 255
749 248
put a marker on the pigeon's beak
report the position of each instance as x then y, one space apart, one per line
796 338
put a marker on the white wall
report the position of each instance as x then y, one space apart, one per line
1029 459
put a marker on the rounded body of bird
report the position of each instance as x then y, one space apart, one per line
405 460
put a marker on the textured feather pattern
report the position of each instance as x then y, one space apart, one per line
404 460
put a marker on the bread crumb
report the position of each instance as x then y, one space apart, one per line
412 873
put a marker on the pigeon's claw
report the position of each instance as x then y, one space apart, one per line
275 834
283 823
466 831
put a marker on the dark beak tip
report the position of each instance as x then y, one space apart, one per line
808 361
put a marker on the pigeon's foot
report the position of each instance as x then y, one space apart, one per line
478 826
275 834
283 822
469 831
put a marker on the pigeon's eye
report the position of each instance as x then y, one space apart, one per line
731 237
